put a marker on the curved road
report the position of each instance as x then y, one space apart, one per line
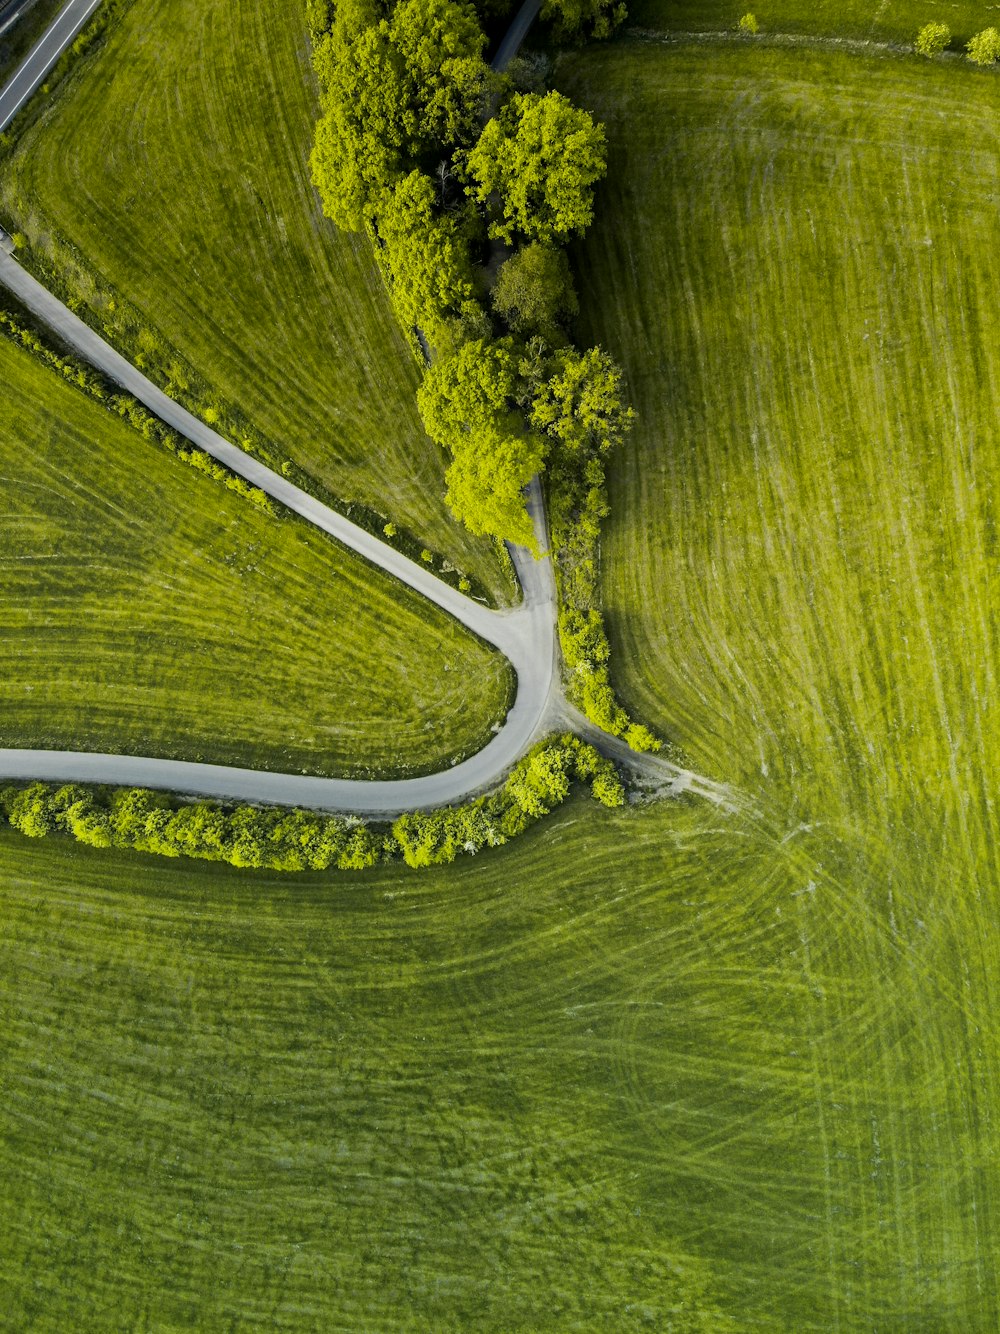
526 635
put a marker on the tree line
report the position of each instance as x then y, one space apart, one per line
469 187
299 840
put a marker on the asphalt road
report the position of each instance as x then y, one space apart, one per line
32 71
526 635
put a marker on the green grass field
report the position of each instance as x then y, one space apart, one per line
881 21
634 1063
145 609
793 259
172 168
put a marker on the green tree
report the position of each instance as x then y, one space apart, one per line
408 86
581 402
584 18
29 810
426 256
541 157
984 48
469 404
932 39
748 25
534 292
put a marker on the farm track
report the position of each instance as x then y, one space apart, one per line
526 635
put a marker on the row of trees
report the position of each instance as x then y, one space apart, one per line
131 410
298 840
408 150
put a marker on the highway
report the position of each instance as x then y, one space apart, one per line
36 65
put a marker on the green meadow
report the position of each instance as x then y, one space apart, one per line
892 21
668 1067
167 185
146 610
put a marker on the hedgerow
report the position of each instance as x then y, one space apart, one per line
115 400
299 840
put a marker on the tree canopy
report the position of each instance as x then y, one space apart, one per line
584 18
468 403
534 291
393 91
581 402
541 156
425 255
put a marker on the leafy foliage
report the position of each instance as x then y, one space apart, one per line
584 18
984 48
469 405
932 39
534 292
581 402
748 25
541 156
393 91
425 256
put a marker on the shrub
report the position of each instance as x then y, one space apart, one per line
984 48
748 25
932 39
299 840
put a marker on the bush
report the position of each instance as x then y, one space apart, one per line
984 48
932 39
748 25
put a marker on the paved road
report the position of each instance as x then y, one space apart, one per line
516 34
68 22
526 634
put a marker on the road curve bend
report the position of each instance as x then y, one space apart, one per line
526 634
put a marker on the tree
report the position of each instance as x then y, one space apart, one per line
541 156
425 255
584 18
582 403
748 25
932 39
468 404
534 291
984 48
393 91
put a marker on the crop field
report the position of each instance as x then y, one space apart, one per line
168 183
884 21
793 257
146 610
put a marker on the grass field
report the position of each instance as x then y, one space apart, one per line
884 21
144 609
634 1063
793 257
173 167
